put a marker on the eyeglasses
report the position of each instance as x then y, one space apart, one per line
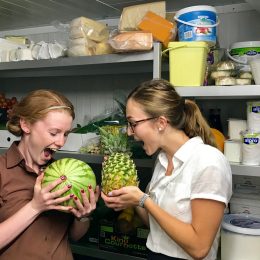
133 124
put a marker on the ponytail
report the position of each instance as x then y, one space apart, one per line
196 125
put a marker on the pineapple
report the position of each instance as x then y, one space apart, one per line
118 170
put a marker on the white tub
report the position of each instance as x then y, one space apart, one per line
240 237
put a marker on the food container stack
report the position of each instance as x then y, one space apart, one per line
140 25
227 73
243 145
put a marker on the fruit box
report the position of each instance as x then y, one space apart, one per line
6 138
75 141
112 240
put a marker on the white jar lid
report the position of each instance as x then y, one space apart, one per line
249 44
242 224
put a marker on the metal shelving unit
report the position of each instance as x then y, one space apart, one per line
123 63
94 251
221 92
226 92
98 159
241 169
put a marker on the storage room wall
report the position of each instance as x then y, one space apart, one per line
91 95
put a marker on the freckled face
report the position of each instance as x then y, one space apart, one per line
146 131
50 132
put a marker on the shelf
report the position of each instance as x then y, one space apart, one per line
221 92
94 251
137 62
98 159
240 169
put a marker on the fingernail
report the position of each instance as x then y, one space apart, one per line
90 187
82 191
69 186
71 195
75 198
63 177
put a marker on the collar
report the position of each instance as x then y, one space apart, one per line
13 156
186 150
183 153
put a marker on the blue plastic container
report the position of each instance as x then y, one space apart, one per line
197 23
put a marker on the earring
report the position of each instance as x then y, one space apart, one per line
160 129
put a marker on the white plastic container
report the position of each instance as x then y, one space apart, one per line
233 150
197 23
240 237
243 52
255 68
250 148
253 115
235 126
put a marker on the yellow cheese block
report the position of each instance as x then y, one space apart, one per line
161 29
132 15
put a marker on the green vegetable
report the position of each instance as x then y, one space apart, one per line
78 173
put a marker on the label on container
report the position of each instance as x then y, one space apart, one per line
249 51
199 28
250 148
253 116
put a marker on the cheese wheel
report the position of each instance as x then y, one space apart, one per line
243 81
225 81
131 16
218 74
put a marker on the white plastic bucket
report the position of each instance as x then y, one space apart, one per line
240 237
244 52
197 23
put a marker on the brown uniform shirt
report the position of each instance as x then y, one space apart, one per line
47 237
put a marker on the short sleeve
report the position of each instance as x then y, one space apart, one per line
213 181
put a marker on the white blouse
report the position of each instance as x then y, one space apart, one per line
200 171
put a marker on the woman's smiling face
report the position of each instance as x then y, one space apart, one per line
47 135
145 131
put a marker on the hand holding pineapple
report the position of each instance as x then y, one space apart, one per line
123 198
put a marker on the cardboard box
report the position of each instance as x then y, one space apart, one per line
245 204
75 141
6 138
112 240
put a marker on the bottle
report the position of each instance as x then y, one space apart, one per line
214 119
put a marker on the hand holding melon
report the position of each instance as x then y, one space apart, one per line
77 173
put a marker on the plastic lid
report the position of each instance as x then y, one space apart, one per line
242 223
196 8
248 44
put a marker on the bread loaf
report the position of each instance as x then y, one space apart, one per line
84 27
132 41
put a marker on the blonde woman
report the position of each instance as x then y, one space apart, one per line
192 182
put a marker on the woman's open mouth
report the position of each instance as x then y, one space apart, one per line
48 152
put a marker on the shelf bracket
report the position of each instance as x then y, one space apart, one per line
157 64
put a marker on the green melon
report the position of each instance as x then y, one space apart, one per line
79 174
